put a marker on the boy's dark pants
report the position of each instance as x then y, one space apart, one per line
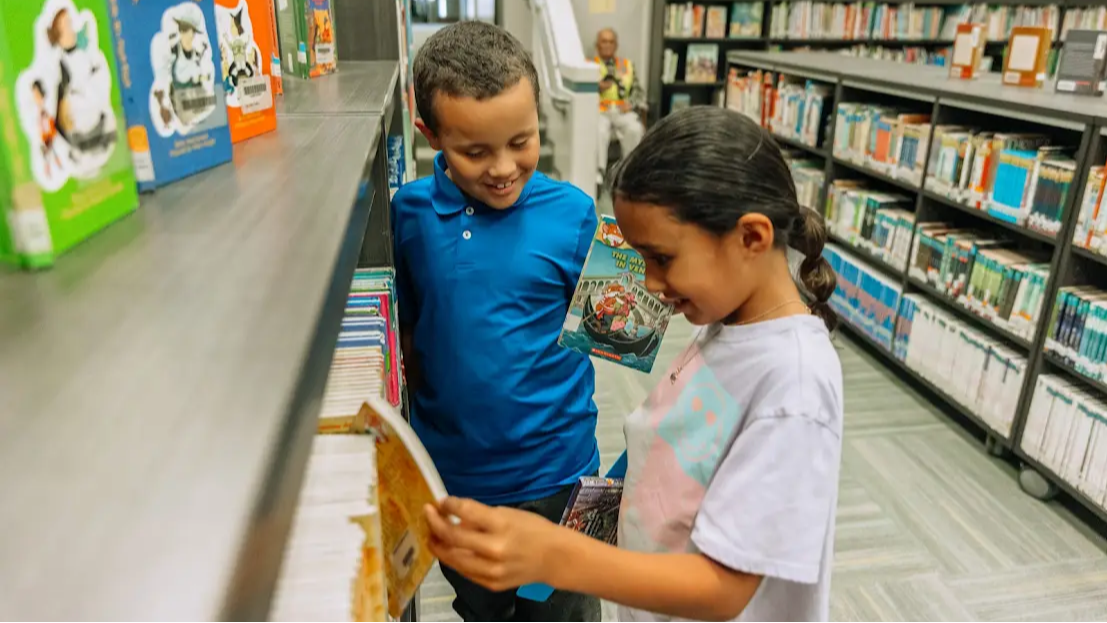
476 603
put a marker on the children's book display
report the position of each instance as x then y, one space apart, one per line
173 93
65 172
245 48
307 35
1083 63
612 315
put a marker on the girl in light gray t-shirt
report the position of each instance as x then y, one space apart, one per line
733 459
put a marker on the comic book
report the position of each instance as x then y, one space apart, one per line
245 48
65 172
612 315
308 48
173 92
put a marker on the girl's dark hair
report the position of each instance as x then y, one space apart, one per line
711 166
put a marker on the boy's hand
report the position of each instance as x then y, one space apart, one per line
498 548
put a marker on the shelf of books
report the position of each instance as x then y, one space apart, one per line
967 234
166 354
691 38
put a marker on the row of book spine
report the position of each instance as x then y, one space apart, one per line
1066 431
877 222
1016 177
788 107
914 55
334 568
980 373
1078 329
1091 222
806 19
984 273
862 297
999 20
692 20
808 177
883 138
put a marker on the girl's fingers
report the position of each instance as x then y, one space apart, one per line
462 536
471 512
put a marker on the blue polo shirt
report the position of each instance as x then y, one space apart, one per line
506 413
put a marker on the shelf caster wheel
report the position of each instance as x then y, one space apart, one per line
994 446
1035 485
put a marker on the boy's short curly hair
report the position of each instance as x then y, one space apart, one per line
469 59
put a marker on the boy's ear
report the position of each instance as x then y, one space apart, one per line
432 138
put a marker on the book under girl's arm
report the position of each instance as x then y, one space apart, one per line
501 548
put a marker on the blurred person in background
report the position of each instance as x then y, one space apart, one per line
622 100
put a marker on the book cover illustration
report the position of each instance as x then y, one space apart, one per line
65 172
322 58
173 92
593 508
407 481
612 315
245 48
702 63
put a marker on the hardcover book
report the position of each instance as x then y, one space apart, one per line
612 315
968 48
64 168
1024 65
1083 63
173 92
245 48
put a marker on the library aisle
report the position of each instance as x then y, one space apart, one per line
930 527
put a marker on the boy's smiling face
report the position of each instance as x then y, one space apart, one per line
490 145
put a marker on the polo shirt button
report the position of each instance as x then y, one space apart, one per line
469 210
467 234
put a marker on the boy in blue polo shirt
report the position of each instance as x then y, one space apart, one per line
488 252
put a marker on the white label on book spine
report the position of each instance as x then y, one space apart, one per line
324 53
1100 47
144 165
255 94
32 231
301 56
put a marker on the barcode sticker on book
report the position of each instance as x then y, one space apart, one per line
255 94
324 54
32 231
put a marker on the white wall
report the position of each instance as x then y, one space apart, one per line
630 19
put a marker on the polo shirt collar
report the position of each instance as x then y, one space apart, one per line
448 198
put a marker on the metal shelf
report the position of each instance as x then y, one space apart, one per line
835 41
865 255
982 323
1060 363
877 175
681 84
919 379
161 382
1062 484
791 142
1089 255
984 216
746 40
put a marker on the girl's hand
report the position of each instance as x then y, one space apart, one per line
498 548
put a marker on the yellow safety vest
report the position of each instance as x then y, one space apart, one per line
624 73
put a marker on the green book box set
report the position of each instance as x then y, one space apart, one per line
65 166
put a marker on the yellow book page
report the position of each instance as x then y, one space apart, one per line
402 492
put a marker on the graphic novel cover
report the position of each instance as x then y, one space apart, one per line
308 47
612 315
64 169
173 92
245 48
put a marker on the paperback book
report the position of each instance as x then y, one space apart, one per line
65 172
407 481
307 37
174 98
245 47
612 315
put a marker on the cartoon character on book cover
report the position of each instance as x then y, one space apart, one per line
320 37
65 97
612 315
244 47
186 90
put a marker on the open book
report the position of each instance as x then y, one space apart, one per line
612 315
406 481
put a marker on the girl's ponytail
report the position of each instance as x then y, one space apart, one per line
808 236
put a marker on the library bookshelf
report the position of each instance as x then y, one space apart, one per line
1046 408
787 26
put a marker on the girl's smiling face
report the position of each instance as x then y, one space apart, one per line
706 276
